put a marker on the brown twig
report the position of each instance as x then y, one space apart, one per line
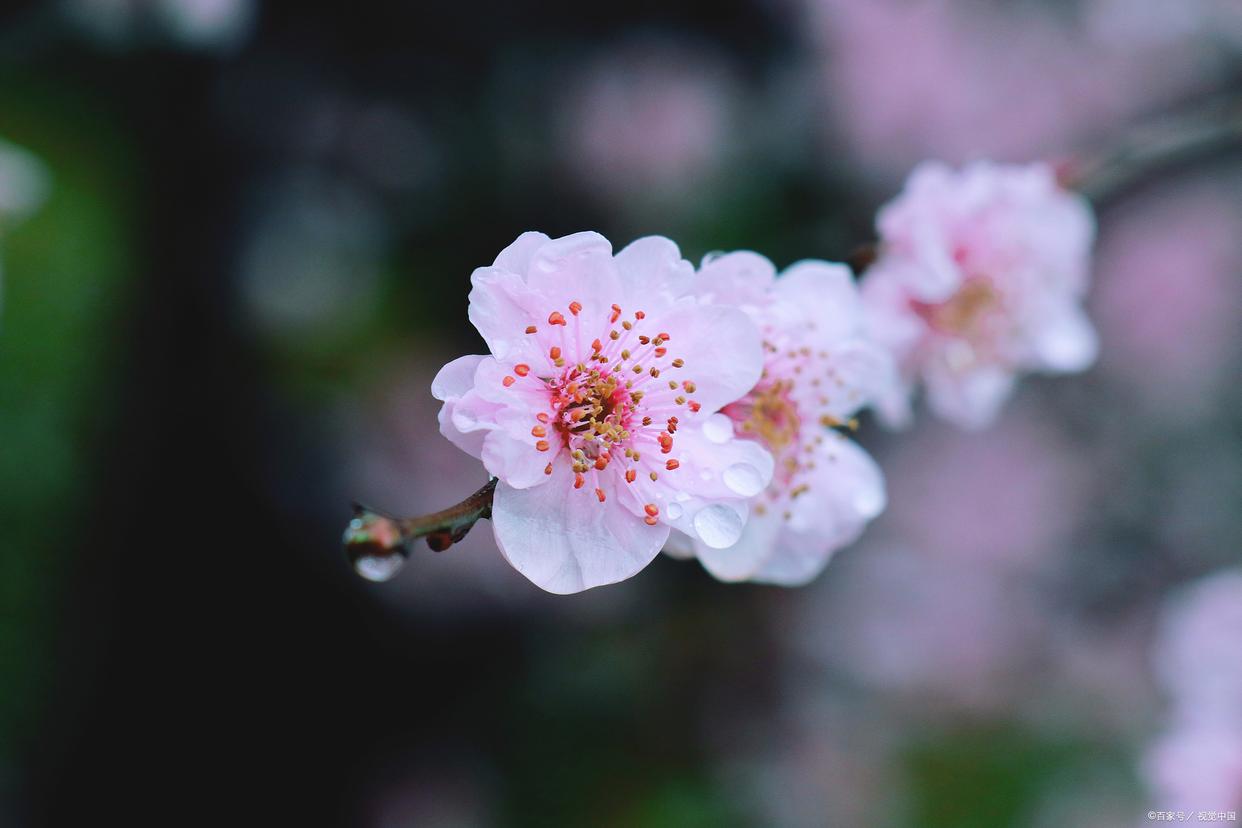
373 534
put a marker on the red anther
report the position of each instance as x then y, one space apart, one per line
695 406
671 464
554 352
556 318
507 381
530 329
601 462
651 509
578 481
630 475
542 417
639 315
672 425
677 363
644 340
689 386
575 308
646 421
597 346
616 314
666 442
659 352
542 445
665 336
521 369
600 494
539 431
650 521
547 469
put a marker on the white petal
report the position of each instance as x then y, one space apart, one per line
516 257
819 296
501 306
1065 341
515 460
456 378
653 273
738 278
797 560
969 398
743 559
721 349
564 540
452 383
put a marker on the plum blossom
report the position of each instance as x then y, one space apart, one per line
589 408
980 278
1197 761
818 371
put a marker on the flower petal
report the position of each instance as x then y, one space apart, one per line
739 278
565 541
501 307
1065 341
516 258
653 273
743 559
453 382
820 296
721 349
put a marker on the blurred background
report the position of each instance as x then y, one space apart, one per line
236 240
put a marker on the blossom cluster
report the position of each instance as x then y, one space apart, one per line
631 402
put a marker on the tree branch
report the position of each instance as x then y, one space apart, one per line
373 535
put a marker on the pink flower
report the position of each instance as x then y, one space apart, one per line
980 279
1196 766
589 408
1198 657
818 371
1197 761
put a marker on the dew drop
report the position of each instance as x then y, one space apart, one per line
718 526
718 428
674 511
744 479
374 546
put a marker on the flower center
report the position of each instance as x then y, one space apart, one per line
965 313
611 403
769 414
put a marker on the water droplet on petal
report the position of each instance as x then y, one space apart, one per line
744 479
374 546
674 511
718 526
718 428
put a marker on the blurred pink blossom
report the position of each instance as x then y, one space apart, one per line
980 278
1196 767
1197 762
907 80
1198 653
650 122
1168 295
